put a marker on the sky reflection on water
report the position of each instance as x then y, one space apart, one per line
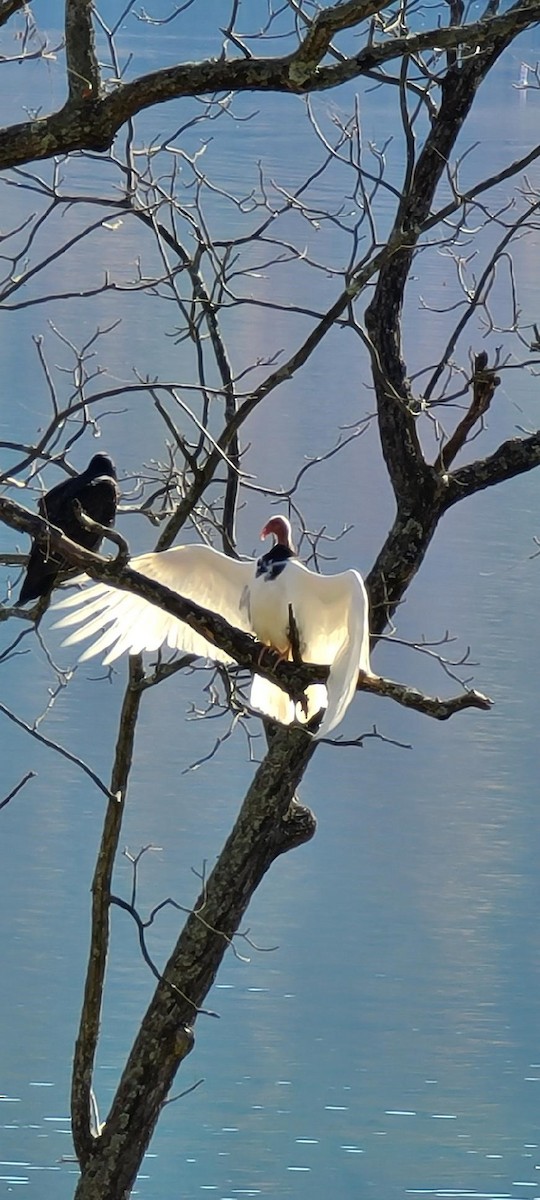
384 1040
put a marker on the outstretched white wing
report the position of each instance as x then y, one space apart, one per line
330 613
332 618
343 600
125 622
336 631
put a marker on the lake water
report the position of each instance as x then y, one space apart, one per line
380 1038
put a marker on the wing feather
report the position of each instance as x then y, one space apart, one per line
270 699
330 611
129 623
352 656
332 617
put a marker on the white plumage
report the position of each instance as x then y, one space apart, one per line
330 614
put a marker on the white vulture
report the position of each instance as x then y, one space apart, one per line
330 615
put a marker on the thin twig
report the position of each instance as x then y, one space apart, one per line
180 1095
13 792
59 750
141 925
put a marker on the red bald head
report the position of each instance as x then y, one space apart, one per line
281 529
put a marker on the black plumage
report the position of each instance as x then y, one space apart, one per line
271 564
96 490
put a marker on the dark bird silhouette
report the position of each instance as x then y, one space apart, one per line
97 492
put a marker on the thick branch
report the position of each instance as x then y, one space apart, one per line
430 706
399 560
91 123
82 64
406 545
481 34
512 458
399 439
323 28
269 823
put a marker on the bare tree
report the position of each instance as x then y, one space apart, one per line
101 162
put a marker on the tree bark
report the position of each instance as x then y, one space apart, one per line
270 823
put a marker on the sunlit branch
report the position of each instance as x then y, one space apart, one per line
430 706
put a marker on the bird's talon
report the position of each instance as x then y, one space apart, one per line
276 657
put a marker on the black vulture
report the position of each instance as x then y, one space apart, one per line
97 492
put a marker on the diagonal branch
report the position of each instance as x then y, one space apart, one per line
240 646
396 408
482 34
430 706
72 758
322 29
294 677
268 825
484 382
514 457
89 1026
14 791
